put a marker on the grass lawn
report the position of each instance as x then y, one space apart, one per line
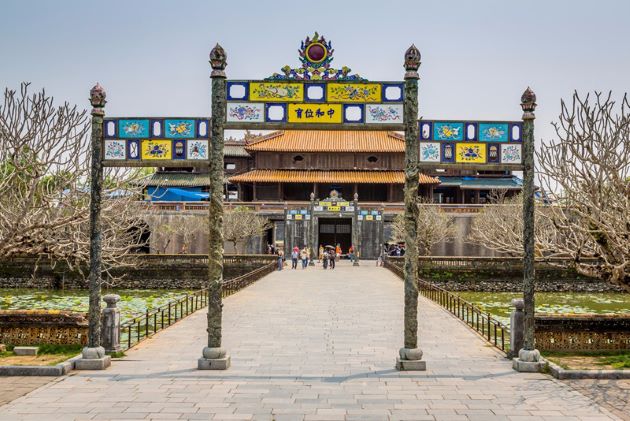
47 355
610 360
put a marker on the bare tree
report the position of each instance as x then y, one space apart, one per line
434 226
44 190
185 227
589 166
241 223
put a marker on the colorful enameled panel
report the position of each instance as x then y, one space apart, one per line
383 113
353 92
448 131
276 92
133 129
247 112
493 132
470 153
153 149
179 129
511 154
430 152
115 150
197 149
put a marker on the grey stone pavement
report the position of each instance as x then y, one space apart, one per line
311 345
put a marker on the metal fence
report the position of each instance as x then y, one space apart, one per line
492 330
141 327
488 327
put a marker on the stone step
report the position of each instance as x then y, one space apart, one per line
25 350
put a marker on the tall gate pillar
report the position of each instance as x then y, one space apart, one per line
214 357
410 356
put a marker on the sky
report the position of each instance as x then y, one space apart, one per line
477 56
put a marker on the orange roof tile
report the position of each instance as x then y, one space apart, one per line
318 176
329 141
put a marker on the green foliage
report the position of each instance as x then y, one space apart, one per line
54 349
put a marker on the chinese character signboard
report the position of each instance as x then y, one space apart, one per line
156 142
471 143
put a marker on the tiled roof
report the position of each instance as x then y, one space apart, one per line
482 183
305 176
233 150
173 179
329 141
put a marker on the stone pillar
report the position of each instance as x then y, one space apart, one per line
311 234
214 357
356 231
517 318
110 319
528 356
410 356
93 356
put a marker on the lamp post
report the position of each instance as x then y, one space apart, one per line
410 356
214 357
528 357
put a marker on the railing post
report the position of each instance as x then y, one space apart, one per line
517 327
110 324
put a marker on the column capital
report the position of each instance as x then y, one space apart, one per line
218 61
528 104
412 62
97 99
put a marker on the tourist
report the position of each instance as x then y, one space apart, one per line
320 255
304 257
332 256
325 259
295 254
351 254
338 252
280 259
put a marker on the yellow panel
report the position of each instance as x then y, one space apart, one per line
315 113
334 208
470 152
369 217
343 203
276 91
354 92
298 217
157 149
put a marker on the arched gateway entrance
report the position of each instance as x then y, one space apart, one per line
314 96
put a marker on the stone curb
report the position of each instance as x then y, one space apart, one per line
60 369
564 374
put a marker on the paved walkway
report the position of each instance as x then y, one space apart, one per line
311 345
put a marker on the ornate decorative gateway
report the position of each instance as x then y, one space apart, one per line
314 96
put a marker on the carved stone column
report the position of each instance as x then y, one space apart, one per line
93 356
111 324
214 356
410 356
528 357
356 230
516 327
311 234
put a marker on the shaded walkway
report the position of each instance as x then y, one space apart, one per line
311 345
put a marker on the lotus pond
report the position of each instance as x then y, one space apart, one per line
132 301
498 303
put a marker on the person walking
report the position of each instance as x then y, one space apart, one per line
280 259
338 252
332 255
304 257
351 254
325 260
320 255
295 254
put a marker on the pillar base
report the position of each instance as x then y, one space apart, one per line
214 359
214 364
93 359
410 359
528 361
410 365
